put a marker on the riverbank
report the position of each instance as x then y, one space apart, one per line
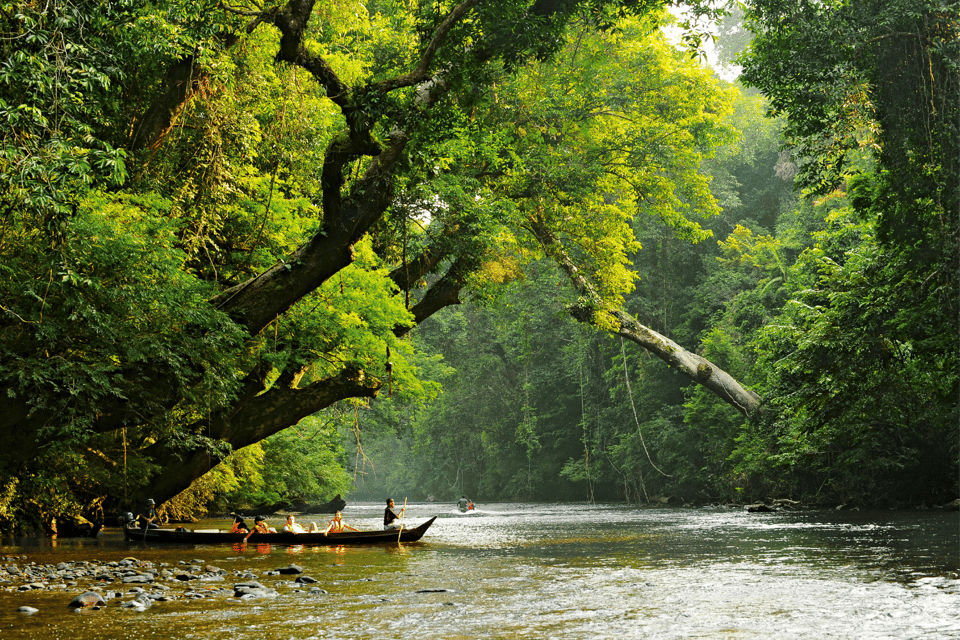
142 582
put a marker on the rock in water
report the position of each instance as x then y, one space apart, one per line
292 569
87 599
253 589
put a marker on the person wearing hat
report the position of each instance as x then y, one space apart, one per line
148 515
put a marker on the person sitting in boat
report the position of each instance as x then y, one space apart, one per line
390 519
148 514
462 503
470 506
293 526
239 526
337 525
260 525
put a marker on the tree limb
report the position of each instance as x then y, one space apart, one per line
422 72
692 365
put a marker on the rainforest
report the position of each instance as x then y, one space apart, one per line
544 250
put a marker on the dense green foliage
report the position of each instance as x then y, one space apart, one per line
214 218
225 229
839 307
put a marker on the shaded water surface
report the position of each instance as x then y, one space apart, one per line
539 571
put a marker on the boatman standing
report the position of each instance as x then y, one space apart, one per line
391 519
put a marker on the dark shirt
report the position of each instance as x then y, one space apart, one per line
389 516
148 517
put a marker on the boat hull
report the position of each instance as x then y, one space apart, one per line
200 536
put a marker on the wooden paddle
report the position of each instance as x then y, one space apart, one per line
146 526
403 512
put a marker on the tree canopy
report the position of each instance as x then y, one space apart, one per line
220 220
216 218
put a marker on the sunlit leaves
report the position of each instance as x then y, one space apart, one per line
615 128
349 320
759 252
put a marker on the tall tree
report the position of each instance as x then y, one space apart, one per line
183 265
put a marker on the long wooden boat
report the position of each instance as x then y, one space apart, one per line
181 535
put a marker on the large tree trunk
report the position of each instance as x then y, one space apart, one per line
149 390
694 366
259 418
259 413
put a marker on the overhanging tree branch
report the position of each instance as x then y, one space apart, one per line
694 366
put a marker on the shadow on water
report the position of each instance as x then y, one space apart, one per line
525 570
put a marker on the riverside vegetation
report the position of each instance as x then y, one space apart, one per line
518 249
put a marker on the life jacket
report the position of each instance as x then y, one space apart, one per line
261 527
336 527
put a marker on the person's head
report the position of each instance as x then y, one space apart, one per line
337 516
150 502
130 517
258 519
389 502
290 519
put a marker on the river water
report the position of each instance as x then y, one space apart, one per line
539 571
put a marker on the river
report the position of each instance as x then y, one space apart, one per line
537 571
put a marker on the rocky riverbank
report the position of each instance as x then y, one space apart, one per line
134 584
